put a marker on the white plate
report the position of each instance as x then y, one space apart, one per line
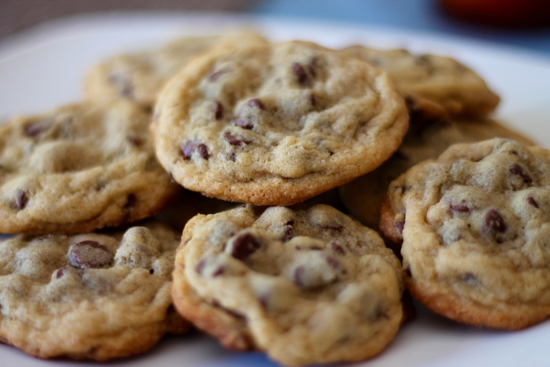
44 67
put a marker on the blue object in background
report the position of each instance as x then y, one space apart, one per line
418 15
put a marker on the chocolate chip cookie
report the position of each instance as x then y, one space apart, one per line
140 76
306 287
275 124
78 168
362 197
440 79
88 296
475 226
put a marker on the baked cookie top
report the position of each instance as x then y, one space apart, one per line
475 224
362 197
306 287
78 168
440 79
140 76
275 124
88 296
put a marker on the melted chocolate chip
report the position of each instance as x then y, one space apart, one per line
244 246
135 141
334 228
89 254
218 110
516 169
460 208
469 278
233 140
300 72
312 100
241 122
200 266
337 248
21 200
289 227
188 148
59 273
493 222
532 202
256 103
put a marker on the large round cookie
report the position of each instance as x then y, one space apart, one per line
475 225
362 197
78 168
140 76
306 287
436 78
275 124
88 296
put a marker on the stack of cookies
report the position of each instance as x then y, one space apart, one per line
274 127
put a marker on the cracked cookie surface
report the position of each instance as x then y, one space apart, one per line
78 168
275 124
474 225
439 79
88 296
305 286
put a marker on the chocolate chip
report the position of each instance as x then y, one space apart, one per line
493 221
300 73
400 225
460 208
130 201
89 254
532 202
312 100
152 271
135 140
334 228
188 148
256 103
289 227
59 273
516 169
336 265
264 300
337 248
218 110
469 278
215 76
37 128
123 84
244 246
233 140
21 200
242 122
203 151
299 274
200 266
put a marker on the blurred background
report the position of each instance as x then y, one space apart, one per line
520 23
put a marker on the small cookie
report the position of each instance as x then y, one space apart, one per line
440 79
475 225
276 124
88 296
140 76
78 168
362 197
304 286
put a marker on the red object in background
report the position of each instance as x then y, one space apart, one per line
500 13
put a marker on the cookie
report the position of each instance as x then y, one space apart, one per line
88 296
475 227
276 124
140 76
304 286
439 79
362 197
78 168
